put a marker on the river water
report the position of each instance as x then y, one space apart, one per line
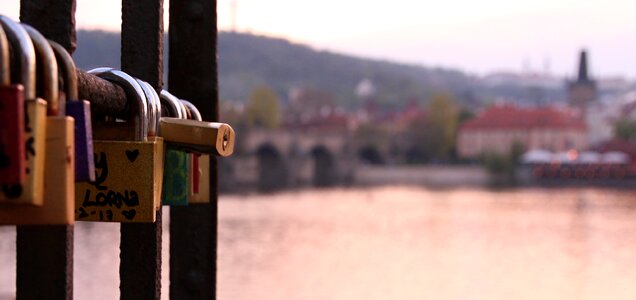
398 243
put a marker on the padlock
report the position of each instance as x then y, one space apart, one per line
80 110
154 107
12 160
176 176
197 136
23 53
128 173
154 114
199 168
59 172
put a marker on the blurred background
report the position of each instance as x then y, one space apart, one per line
410 150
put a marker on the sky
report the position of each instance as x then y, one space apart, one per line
478 37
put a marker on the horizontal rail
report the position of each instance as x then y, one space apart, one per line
106 98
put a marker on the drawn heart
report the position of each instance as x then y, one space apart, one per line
132 155
129 214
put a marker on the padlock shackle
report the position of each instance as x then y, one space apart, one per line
68 70
135 94
5 59
22 48
47 71
154 107
194 111
172 103
184 111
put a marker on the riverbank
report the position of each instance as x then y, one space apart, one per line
446 176
436 177
431 176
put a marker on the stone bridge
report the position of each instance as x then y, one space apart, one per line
276 159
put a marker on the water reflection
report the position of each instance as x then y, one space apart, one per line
408 243
396 243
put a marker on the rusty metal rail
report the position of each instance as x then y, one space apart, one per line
106 98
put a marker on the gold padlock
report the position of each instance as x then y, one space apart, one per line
32 192
59 172
128 172
154 114
197 136
200 166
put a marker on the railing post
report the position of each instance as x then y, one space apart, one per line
142 57
193 76
44 259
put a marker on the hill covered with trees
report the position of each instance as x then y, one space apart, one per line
248 61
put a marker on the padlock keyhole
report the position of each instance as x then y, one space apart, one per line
226 140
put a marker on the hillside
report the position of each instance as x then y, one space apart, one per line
247 61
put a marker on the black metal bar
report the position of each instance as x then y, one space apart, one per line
54 19
193 229
44 259
141 57
44 262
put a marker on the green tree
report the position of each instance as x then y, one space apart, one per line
433 136
503 167
625 130
263 108
443 116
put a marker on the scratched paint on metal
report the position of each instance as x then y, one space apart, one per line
127 187
32 191
59 169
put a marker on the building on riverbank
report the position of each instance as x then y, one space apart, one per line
499 127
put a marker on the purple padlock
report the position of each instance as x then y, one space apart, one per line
80 110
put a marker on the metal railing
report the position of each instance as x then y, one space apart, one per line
45 253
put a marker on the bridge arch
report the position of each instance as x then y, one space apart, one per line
324 166
370 154
272 171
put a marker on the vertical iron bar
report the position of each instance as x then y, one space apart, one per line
54 19
44 259
193 76
142 57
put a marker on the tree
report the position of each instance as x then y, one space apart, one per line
503 167
444 118
625 129
263 108
433 137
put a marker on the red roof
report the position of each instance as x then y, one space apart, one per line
508 116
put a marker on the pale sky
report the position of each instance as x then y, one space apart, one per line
474 36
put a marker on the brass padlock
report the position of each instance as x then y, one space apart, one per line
23 53
59 172
176 176
197 136
128 172
199 167
154 114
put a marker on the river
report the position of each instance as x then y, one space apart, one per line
397 243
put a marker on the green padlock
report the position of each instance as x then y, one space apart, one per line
176 177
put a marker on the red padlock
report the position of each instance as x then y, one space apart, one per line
12 159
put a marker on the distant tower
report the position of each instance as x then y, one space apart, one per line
582 92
